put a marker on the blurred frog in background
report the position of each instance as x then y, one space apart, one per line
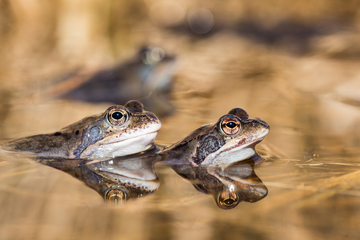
147 78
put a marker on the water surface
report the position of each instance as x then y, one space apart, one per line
306 90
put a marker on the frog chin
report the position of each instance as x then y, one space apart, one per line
129 146
226 158
233 152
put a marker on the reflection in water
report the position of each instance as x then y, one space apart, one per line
116 180
219 159
228 185
231 139
215 158
123 178
242 60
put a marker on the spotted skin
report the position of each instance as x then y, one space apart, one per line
83 138
203 145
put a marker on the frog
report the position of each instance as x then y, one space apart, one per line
231 139
116 180
147 76
120 130
228 186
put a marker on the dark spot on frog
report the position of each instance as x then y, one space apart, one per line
57 134
208 145
90 135
77 132
67 136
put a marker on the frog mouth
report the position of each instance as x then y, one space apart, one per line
129 138
227 155
121 147
245 143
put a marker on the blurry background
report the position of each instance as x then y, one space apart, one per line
293 64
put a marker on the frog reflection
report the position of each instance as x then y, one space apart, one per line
116 180
229 186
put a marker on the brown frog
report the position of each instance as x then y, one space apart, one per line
148 76
119 131
219 159
230 140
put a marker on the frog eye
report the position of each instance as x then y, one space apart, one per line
115 196
227 200
230 125
117 116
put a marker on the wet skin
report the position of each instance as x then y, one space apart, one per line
230 140
219 159
119 131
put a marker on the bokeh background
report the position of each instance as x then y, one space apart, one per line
293 64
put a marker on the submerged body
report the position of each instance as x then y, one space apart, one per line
119 131
230 140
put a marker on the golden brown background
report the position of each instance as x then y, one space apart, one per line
293 64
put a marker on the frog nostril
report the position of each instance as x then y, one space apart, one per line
261 122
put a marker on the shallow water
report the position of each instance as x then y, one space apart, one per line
308 95
312 181
311 200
